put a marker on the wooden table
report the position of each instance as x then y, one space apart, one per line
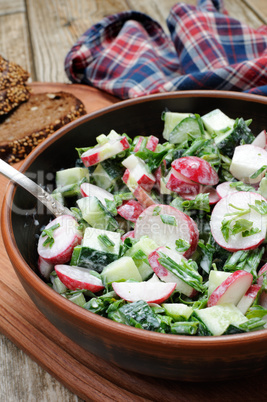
37 34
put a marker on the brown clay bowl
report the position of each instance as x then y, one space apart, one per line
166 356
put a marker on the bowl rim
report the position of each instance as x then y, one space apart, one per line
86 317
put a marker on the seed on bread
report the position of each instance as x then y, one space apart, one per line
35 120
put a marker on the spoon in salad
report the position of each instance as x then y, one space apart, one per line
55 207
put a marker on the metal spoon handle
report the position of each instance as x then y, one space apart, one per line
43 196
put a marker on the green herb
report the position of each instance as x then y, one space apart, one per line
153 159
243 226
185 270
247 260
258 172
184 328
260 207
156 211
181 245
111 206
168 219
50 235
104 239
240 186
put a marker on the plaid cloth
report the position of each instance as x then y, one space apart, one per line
129 55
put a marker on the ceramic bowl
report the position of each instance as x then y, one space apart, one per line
148 353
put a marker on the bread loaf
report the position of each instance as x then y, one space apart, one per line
34 120
13 88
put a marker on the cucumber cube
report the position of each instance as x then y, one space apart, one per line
94 213
178 311
171 119
140 252
218 318
98 249
215 279
217 122
122 269
71 176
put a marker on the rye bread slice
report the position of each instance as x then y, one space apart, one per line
11 74
13 88
33 121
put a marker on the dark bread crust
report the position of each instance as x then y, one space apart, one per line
35 120
11 97
11 74
13 88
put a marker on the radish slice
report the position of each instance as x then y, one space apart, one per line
248 298
232 289
151 292
237 242
247 159
261 275
211 191
165 224
261 140
181 184
128 234
225 189
167 276
196 169
78 278
66 237
104 151
152 143
45 268
90 190
143 197
137 173
130 210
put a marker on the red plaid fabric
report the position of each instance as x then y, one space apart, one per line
129 55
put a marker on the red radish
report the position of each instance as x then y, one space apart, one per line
158 174
135 178
232 289
196 169
261 140
225 189
247 159
78 278
152 143
90 190
64 238
139 143
180 184
104 151
167 276
226 205
165 224
150 292
143 197
211 191
263 300
128 234
261 274
248 298
45 268
130 210
137 173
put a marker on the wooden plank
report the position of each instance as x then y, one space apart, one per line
14 38
56 25
259 7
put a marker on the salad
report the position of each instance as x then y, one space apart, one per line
167 237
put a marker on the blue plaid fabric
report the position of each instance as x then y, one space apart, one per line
129 55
